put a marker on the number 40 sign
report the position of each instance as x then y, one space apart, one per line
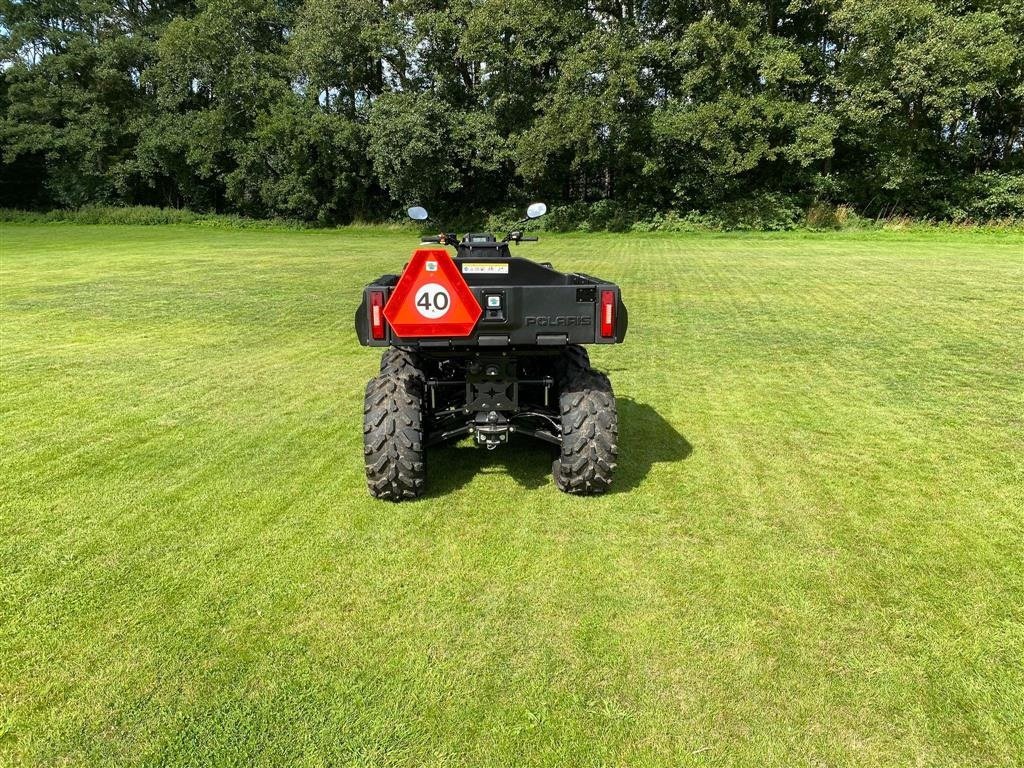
433 301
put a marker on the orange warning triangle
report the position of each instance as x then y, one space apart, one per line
432 298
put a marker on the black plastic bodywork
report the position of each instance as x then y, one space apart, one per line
540 307
502 378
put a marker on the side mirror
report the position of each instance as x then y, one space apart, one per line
536 210
416 213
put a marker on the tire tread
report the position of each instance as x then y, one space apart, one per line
589 433
401 362
393 449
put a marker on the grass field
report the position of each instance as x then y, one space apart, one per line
814 554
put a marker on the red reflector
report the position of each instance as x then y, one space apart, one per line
432 298
607 314
377 314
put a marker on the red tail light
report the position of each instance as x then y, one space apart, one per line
607 314
376 309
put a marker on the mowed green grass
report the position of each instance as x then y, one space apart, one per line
814 554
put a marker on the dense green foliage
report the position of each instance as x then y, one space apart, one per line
330 110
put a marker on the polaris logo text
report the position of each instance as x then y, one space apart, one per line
560 320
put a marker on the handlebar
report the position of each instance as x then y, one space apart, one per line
445 238
516 236
451 239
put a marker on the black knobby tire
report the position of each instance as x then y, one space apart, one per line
393 437
590 431
573 360
400 362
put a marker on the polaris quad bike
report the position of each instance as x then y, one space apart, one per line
487 345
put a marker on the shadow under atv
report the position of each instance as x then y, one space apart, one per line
645 439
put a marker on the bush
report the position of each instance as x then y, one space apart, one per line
997 196
142 215
506 219
602 216
827 216
1004 198
102 214
767 212
771 212
691 221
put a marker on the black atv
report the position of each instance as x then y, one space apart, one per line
487 344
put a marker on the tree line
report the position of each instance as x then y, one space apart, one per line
334 110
